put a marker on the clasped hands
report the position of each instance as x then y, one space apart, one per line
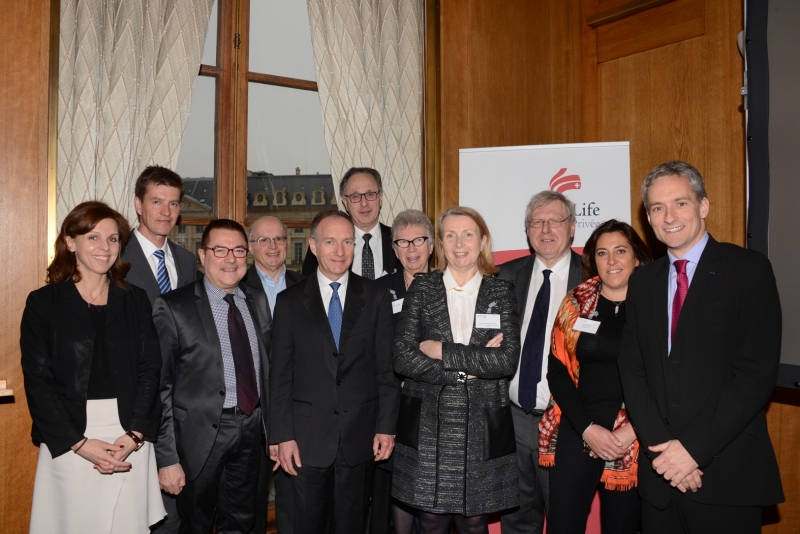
107 457
433 349
677 466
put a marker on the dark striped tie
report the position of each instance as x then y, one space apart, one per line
163 277
367 261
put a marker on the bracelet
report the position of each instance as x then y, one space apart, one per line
136 439
586 447
81 445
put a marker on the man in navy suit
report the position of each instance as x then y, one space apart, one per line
698 361
334 398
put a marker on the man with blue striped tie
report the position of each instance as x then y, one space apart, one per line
157 264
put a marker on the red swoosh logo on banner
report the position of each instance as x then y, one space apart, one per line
561 183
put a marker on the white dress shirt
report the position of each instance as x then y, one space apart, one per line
326 290
376 244
149 249
461 301
558 289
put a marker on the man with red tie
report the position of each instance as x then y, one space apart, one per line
698 362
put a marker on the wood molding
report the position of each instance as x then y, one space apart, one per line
431 126
281 81
52 130
625 10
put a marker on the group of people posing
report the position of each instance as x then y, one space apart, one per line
381 394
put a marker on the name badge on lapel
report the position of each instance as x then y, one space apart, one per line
586 325
487 320
397 305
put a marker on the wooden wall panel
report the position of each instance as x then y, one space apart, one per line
24 55
783 420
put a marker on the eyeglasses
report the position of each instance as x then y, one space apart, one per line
405 243
356 197
222 252
265 241
552 223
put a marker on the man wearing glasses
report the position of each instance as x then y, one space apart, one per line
267 277
541 280
213 389
361 192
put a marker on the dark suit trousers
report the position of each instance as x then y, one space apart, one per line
684 516
534 481
341 489
283 496
573 481
228 482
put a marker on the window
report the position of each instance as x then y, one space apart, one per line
255 130
181 228
318 197
298 252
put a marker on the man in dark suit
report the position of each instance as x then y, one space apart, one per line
698 361
541 281
361 191
213 389
157 264
267 277
334 398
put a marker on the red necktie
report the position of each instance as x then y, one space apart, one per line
680 294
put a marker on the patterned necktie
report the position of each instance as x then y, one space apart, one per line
680 294
335 313
246 388
530 367
163 277
367 261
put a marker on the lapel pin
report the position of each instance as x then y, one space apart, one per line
491 305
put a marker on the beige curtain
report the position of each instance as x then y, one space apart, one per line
126 69
368 56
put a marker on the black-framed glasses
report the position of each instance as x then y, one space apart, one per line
222 252
405 243
265 241
552 223
356 197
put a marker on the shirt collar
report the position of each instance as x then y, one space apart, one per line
148 247
267 278
374 231
694 253
560 269
325 282
215 294
470 288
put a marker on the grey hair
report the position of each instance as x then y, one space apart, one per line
359 170
675 168
544 198
408 218
250 228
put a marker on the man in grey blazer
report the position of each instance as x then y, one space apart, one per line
541 281
158 194
267 277
157 264
213 389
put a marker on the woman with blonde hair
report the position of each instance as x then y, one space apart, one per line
456 345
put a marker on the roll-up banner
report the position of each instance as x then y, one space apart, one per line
499 182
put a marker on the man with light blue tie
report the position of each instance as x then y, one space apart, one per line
333 395
157 264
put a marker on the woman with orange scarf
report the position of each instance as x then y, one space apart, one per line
584 435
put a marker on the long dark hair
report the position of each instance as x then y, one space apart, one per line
640 250
82 220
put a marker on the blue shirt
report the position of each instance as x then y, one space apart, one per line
219 308
693 256
271 287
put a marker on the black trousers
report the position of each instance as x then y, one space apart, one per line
340 491
228 482
573 481
283 496
380 518
684 516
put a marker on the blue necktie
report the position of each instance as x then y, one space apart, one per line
530 367
335 313
367 260
163 277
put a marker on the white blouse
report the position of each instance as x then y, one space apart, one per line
461 301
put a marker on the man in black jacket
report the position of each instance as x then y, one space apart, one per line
550 227
698 361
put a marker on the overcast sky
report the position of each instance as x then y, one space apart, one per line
285 128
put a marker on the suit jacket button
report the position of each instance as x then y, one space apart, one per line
335 355
338 382
666 420
222 393
214 426
335 412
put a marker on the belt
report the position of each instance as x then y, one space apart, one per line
234 410
535 413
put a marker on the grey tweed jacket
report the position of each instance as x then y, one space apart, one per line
455 449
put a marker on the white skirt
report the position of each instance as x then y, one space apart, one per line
70 496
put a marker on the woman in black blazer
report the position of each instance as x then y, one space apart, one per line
92 362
